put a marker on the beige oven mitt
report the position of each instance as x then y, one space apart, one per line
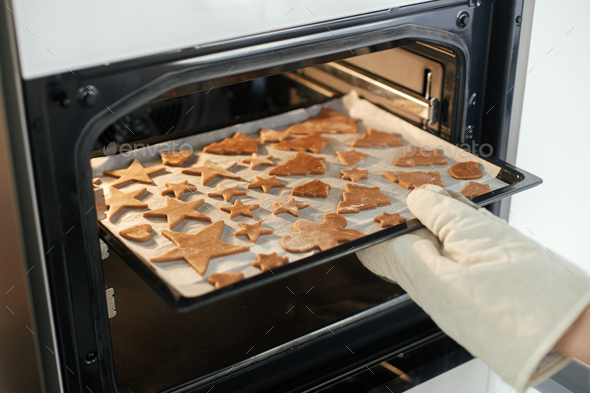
502 296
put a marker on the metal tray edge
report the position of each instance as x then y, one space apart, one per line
518 179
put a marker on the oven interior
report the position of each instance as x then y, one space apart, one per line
151 343
415 80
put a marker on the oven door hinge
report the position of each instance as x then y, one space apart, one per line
434 111
343 77
99 203
110 294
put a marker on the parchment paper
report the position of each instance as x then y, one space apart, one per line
186 280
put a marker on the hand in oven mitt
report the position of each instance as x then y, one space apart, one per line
502 296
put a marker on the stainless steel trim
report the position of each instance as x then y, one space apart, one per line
301 340
428 86
398 96
518 94
112 309
434 111
375 362
520 80
308 84
48 353
100 204
18 349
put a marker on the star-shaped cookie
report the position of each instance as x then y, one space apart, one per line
255 161
354 174
209 171
135 172
199 248
389 220
253 231
291 207
176 212
176 158
178 189
239 209
117 200
265 184
269 261
227 193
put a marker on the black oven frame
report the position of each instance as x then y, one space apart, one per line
59 150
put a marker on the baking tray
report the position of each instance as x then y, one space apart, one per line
504 180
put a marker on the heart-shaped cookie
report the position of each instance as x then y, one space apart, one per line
220 280
138 233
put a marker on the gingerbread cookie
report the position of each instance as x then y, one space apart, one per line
354 174
302 164
356 198
291 207
227 193
474 189
117 200
328 121
199 248
311 236
374 138
135 172
313 189
176 158
269 261
138 233
253 231
237 144
176 212
255 161
351 157
414 179
415 156
265 184
209 171
466 170
389 220
178 189
239 209
220 280
269 136
311 142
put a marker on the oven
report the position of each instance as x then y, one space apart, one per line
101 321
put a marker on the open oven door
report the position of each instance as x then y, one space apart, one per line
428 66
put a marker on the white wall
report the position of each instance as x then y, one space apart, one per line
474 377
554 141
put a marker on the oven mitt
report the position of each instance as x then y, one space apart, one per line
502 296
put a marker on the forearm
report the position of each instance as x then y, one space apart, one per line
576 342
